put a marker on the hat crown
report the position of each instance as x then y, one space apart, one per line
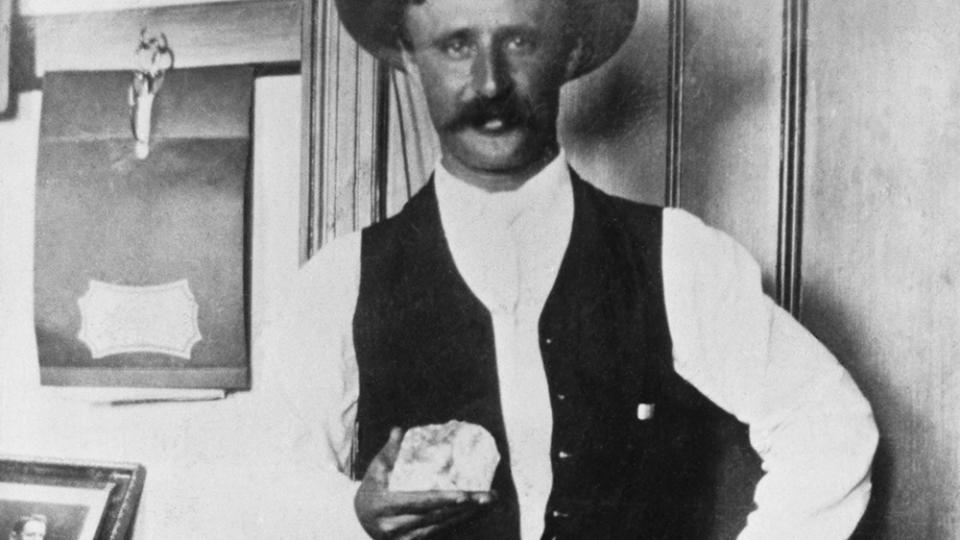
603 26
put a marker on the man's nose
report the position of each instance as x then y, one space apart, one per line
490 73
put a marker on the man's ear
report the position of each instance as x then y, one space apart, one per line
411 69
575 58
409 65
405 56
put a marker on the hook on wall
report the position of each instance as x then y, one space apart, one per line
153 58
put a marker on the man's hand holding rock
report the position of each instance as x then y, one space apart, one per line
409 515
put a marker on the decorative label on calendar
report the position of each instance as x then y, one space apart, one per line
117 319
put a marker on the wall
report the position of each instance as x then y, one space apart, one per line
731 121
613 120
881 255
212 467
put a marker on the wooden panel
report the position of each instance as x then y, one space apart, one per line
677 38
6 10
881 253
793 103
731 121
224 33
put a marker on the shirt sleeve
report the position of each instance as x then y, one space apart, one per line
808 421
323 382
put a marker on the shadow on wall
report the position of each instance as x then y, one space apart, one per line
623 97
838 328
613 121
731 124
614 125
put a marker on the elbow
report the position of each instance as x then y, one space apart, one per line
862 432
871 436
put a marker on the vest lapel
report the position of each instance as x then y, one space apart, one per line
584 279
438 300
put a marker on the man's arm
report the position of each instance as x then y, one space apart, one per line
322 380
808 421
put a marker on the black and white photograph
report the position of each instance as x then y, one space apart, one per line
479 269
40 512
51 498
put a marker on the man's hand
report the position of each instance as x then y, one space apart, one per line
408 515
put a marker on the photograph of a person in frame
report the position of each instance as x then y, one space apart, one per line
593 337
31 527
30 520
22 520
50 512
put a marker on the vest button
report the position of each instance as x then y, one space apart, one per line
548 341
559 515
563 455
561 397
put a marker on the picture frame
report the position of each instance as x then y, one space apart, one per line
75 499
6 27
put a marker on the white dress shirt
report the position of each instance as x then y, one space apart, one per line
808 421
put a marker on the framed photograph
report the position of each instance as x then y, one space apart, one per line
6 14
29 510
63 500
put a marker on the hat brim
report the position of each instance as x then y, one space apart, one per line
603 26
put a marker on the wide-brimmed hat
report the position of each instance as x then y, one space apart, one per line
603 26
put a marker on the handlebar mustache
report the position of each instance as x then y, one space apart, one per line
511 109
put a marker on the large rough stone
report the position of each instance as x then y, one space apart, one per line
452 456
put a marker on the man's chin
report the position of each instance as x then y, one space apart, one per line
496 152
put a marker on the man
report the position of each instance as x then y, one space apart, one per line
595 338
32 527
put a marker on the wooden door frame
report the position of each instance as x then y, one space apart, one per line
792 133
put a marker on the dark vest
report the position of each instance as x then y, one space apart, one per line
425 352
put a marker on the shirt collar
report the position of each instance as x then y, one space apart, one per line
463 203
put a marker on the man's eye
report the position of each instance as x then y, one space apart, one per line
521 44
456 48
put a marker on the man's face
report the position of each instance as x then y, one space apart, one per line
33 530
491 72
